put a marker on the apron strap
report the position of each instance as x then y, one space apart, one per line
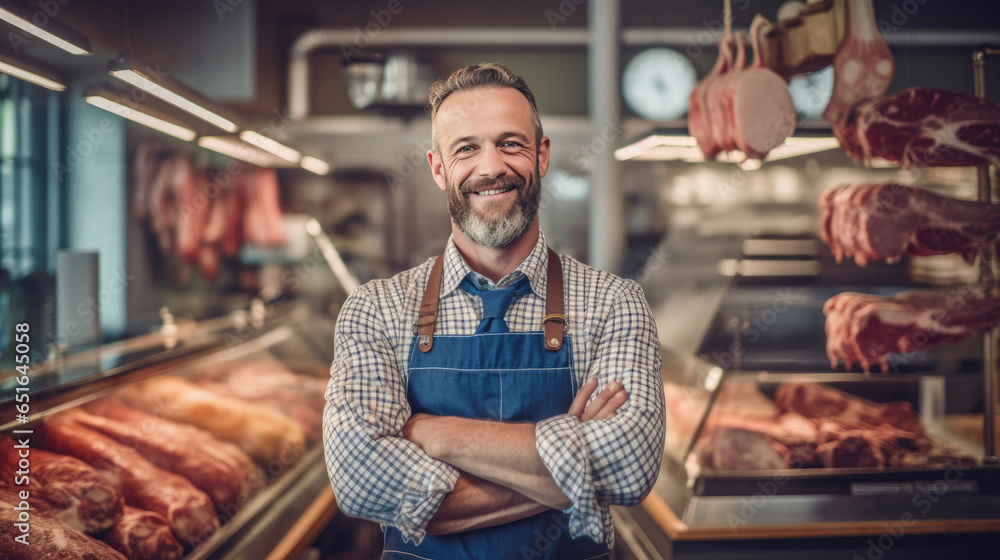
429 308
554 323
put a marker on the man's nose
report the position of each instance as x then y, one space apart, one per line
491 164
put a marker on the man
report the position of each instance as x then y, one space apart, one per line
457 414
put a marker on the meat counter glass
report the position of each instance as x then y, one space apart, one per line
214 428
757 456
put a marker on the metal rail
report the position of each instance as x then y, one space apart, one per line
987 278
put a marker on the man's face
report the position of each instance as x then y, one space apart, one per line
488 163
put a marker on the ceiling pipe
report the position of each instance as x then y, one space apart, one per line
692 38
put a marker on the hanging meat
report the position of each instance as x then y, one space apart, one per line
699 124
921 127
720 114
886 221
145 486
763 114
262 214
863 66
144 535
70 490
47 538
740 107
867 329
200 218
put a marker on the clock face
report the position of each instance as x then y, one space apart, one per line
811 93
657 82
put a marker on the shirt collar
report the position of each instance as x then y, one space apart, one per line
534 267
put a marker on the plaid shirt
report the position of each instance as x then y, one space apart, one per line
378 475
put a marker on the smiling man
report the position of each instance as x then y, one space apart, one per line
461 412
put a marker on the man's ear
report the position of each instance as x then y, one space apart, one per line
543 156
437 168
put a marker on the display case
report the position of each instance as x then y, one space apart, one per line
755 456
293 500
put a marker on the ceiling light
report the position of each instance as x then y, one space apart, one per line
677 145
271 145
143 76
39 23
315 165
234 147
118 103
32 71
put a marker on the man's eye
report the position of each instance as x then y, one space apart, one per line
465 149
510 144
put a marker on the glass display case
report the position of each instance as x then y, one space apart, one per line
758 456
273 359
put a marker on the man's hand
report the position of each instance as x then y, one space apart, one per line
605 405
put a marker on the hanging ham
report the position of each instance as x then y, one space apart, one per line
863 66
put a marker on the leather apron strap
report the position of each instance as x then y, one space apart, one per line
554 323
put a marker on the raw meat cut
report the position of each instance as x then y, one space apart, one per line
923 127
760 105
198 216
48 539
867 329
740 107
68 489
268 383
885 446
699 124
270 438
820 402
736 449
144 485
719 99
215 467
885 221
819 426
863 66
262 220
144 535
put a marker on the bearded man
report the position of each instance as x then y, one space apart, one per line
461 412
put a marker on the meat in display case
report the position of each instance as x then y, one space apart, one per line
758 455
201 450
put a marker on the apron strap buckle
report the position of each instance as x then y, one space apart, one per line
554 325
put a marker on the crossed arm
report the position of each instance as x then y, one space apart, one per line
502 476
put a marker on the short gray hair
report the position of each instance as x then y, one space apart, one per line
485 75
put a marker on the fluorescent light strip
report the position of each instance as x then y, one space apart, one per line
241 151
315 165
656 147
30 76
135 115
270 145
144 83
25 25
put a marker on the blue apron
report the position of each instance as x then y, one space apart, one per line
509 377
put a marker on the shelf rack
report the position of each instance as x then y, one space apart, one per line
987 279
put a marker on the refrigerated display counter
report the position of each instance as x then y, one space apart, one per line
288 351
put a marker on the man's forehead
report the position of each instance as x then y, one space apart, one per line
471 110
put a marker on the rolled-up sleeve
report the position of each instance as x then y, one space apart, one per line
612 462
376 473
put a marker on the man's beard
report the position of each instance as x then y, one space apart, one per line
497 233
